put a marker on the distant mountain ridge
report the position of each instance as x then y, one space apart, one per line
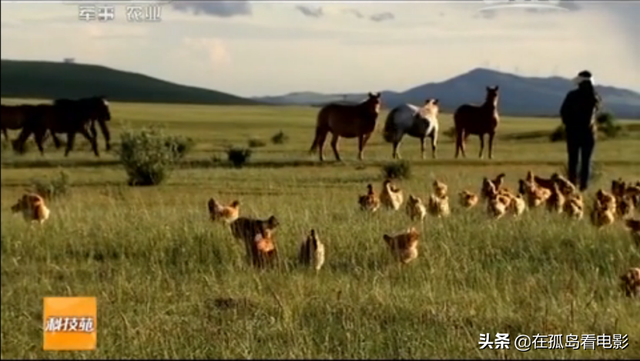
51 80
519 95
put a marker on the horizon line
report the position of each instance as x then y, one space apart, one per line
137 72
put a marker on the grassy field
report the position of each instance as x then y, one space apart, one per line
156 263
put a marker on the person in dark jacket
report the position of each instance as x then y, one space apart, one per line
578 113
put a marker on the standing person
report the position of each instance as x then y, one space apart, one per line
578 116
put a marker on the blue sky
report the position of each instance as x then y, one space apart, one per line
269 48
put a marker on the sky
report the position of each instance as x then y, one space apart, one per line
255 48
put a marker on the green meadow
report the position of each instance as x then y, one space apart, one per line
157 264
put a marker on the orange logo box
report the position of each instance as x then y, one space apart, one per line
70 323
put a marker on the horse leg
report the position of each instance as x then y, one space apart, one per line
422 146
395 154
71 137
362 141
18 143
94 132
92 140
459 143
434 144
56 141
15 144
481 145
464 142
491 136
105 133
39 136
321 139
92 129
6 134
334 146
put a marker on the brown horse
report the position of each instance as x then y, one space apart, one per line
477 120
348 121
13 117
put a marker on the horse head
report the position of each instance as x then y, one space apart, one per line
492 95
373 102
104 99
432 105
100 107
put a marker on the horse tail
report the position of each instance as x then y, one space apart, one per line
321 129
388 133
457 116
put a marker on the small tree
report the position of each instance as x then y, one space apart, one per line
179 145
608 125
397 170
238 156
279 138
256 143
605 118
147 156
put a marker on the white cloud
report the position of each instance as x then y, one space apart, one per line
214 49
277 50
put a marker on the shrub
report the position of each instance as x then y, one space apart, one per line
215 159
397 170
605 118
52 188
238 156
146 157
559 134
611 130
608 125
179 146
256 143
279 138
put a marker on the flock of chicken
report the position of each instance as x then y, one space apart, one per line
557 194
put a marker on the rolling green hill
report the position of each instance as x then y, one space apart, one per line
50 80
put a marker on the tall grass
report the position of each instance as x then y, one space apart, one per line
157 267
160 268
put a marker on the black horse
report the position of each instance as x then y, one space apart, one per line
100 116
66 116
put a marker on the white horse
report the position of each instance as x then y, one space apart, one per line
417 122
